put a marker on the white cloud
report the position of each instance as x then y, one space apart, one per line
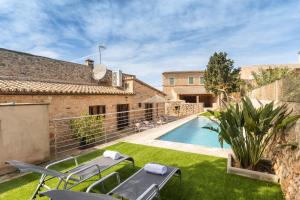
149 37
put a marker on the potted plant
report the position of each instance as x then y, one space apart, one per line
87 129
249 131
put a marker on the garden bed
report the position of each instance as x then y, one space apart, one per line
265 172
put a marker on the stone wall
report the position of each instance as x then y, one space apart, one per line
180 108
18 65
285 152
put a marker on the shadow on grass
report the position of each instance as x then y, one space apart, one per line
33 177
18 182
209 180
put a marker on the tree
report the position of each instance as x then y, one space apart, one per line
220 75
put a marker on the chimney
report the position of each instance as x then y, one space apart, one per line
90 63
299 57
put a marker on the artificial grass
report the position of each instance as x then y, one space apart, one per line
203 177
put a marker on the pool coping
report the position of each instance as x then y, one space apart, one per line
149 138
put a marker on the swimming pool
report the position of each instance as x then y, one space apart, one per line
193 132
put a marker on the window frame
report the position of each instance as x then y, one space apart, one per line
100 110
193 78
170 81
202 78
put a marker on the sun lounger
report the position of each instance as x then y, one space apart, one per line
145 125
72 177
140 186
71 195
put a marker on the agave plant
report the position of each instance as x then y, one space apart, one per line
249 130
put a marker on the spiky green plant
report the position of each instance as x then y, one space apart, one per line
249 130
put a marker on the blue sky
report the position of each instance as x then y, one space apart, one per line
148 37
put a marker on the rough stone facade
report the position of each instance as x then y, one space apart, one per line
286 158
285 152
18 65
181 109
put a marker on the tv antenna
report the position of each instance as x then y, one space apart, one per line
103 48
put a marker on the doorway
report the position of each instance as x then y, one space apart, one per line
122 116
149 111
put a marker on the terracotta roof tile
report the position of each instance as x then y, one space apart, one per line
29 87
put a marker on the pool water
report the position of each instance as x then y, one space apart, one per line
193 132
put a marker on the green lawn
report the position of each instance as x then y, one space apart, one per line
204 177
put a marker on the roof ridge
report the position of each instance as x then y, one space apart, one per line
29 87
34 55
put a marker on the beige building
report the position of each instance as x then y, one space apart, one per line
70 89
246 71
187 86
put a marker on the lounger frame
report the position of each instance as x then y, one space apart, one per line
67 177
148 194
151 192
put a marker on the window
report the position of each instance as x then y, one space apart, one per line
191 80
140 105
171 81
202 80
97 110
126 86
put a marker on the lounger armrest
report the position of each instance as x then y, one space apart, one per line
153 189
63 160
103 179
78 171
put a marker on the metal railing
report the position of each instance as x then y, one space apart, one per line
73 133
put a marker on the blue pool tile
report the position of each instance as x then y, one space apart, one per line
193 132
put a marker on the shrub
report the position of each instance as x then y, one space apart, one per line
87 127
249 130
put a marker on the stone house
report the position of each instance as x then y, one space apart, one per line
70 89
187 86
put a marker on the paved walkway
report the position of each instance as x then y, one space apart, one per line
148 138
